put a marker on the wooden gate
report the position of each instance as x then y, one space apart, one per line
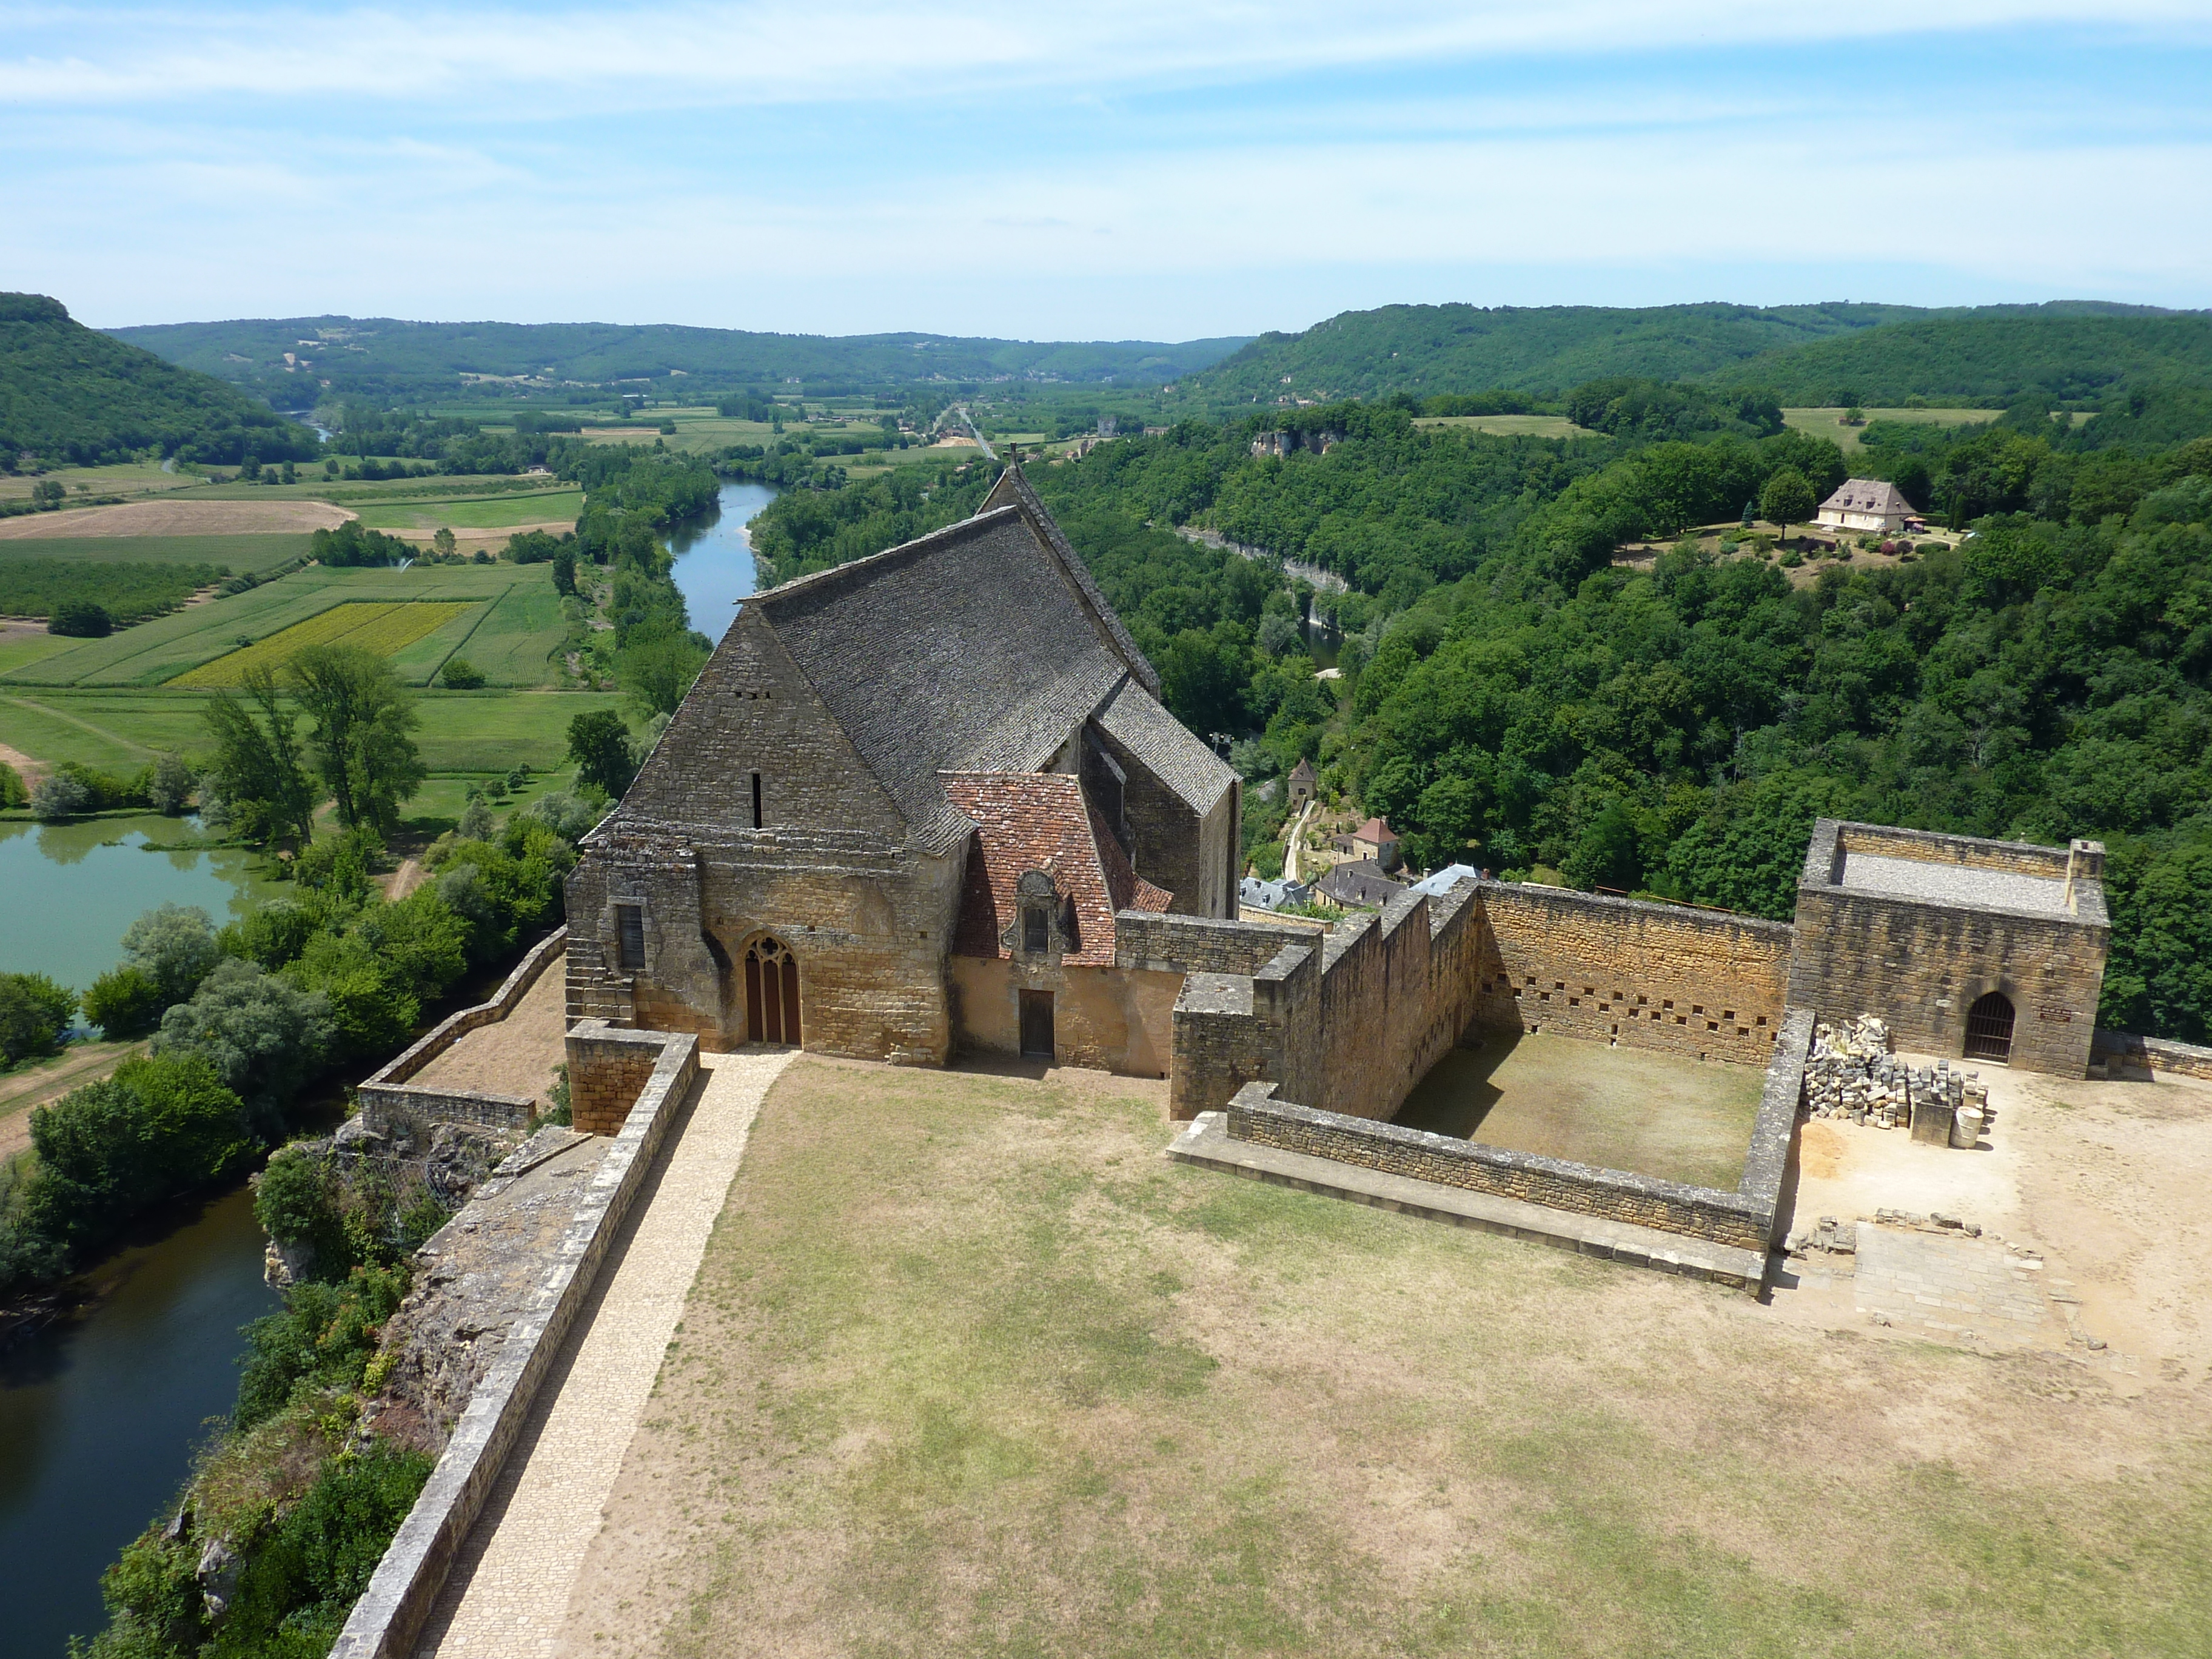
771 994
1989 1028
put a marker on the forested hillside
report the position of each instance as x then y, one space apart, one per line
1460 348
1830 355
380 357
71 394
1986 359
1513 698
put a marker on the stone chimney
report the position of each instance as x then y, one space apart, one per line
2085 861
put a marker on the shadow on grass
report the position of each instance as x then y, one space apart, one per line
1457 1094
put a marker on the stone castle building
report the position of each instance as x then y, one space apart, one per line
930 802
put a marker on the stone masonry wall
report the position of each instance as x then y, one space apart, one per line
1110 1019
1704 983
1745 1218
1398 991
1963 852
1921 966
1171 845
868 927
1197 944
608 1067
2152 1056
1219 1047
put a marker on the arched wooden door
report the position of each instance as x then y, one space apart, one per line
1989 1028
771 992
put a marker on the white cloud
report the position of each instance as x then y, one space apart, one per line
877 49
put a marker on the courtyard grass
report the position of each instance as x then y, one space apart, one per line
970 1369
1662 1115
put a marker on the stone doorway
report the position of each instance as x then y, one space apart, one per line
771 992
1037 1025
1989 1028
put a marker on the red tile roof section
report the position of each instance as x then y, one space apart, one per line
1040 821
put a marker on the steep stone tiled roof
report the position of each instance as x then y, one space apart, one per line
1363 882
965 650
1135 719
1867 495
1013 490
1041 820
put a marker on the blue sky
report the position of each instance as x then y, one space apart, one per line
1136 170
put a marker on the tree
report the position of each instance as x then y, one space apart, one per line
34 1015
264 1036
564 570
600 745
657 669
459 674
443 541
125 1001
363 720
266 793
83 619
169 788
175 945
59 795
1787 498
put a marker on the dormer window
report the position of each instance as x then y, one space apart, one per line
1036 929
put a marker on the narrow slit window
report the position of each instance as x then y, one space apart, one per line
1033 929
756 801
630 936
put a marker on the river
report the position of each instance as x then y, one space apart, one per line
99 1414
715 556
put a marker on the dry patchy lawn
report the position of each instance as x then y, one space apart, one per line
970 1369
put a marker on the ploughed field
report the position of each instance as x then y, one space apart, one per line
970 1368
1621 1108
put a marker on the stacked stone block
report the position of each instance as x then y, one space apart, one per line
1853 1076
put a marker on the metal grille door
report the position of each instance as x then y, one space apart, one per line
1989 1028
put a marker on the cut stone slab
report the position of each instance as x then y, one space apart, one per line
1205 1142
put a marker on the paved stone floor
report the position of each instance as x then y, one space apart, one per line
1968 1288
511 1585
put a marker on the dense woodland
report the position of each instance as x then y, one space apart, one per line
69 393
1513 698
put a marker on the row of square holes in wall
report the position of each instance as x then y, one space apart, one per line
1642 1009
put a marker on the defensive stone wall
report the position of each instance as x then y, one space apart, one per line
1704 983
1197 944
1744 1218
1219 1047
386 1097
608 1067
390 1613
2152 1056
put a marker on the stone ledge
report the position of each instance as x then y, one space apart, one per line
388 1617
1206 1144
382 1091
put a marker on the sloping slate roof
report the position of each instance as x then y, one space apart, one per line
1363 882
1013 490
964 651
1136 721
1303 772
1041 820
1867 495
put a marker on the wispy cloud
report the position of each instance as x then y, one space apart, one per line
1148 169
871 49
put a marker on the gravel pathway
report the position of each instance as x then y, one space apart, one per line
510 1587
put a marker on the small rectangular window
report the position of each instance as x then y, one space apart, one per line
630 936
1033 929
756 801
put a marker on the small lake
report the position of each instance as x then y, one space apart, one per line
99 1414
715 556
73 888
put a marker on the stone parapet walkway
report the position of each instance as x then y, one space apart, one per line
510 1587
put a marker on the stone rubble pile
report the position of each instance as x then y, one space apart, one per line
1851 1075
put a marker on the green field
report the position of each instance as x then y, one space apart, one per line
125 478
462 732
1829 423
512 626
472 512
1511 426
243 553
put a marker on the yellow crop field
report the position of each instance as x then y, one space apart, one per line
385 629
